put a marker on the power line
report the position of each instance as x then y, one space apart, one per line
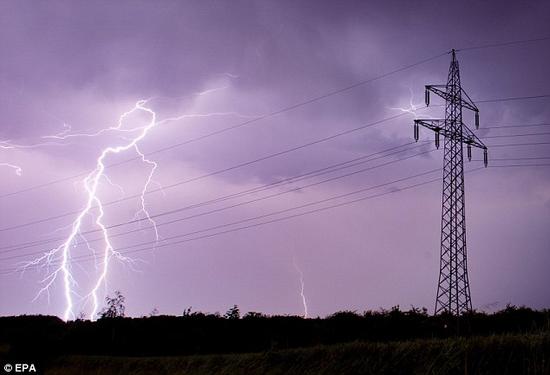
263 117
269 156
513 98
249 219
88 257
316 99
307 205
521 165
43 242
321 209
515 159
278 194
503 44
520 144
218 199
314 173
296 188
515 126
514 135
241 124
286 109
256 189
223 170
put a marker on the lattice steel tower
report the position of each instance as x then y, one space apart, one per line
453 290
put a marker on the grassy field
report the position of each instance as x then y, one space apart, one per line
500 354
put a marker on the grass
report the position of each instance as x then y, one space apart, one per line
500 354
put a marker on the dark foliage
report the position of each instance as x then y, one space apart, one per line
115 306
233 313
200 333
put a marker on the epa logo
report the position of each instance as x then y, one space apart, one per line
20 367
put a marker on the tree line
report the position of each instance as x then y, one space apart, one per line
195 332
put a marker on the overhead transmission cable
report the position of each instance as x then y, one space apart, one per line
260 199
86 258
20 246
244 123
280 111
240 165
504 44
284 218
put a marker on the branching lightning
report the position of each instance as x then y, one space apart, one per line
62 134
143 209
17 169
302 286
91 184
412 107
8 145
130 137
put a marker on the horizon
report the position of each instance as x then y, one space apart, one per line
274 143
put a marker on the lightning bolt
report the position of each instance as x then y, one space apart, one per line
94 208
61 135
8 145
143 209
412 107
91 184
302 286
18 170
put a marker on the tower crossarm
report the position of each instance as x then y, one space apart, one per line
438 126
465 136
471 139
441 91
469 103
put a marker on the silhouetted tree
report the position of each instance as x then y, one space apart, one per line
346 314
81 316
115 306
187 312
418 311
253 315
233 313
154 312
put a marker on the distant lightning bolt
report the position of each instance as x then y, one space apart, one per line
8 145
199 93
143 210
61 135
16 168
412 107
302 286
66 133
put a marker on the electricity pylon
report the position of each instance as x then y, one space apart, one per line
453 290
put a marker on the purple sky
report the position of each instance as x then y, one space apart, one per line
83 64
